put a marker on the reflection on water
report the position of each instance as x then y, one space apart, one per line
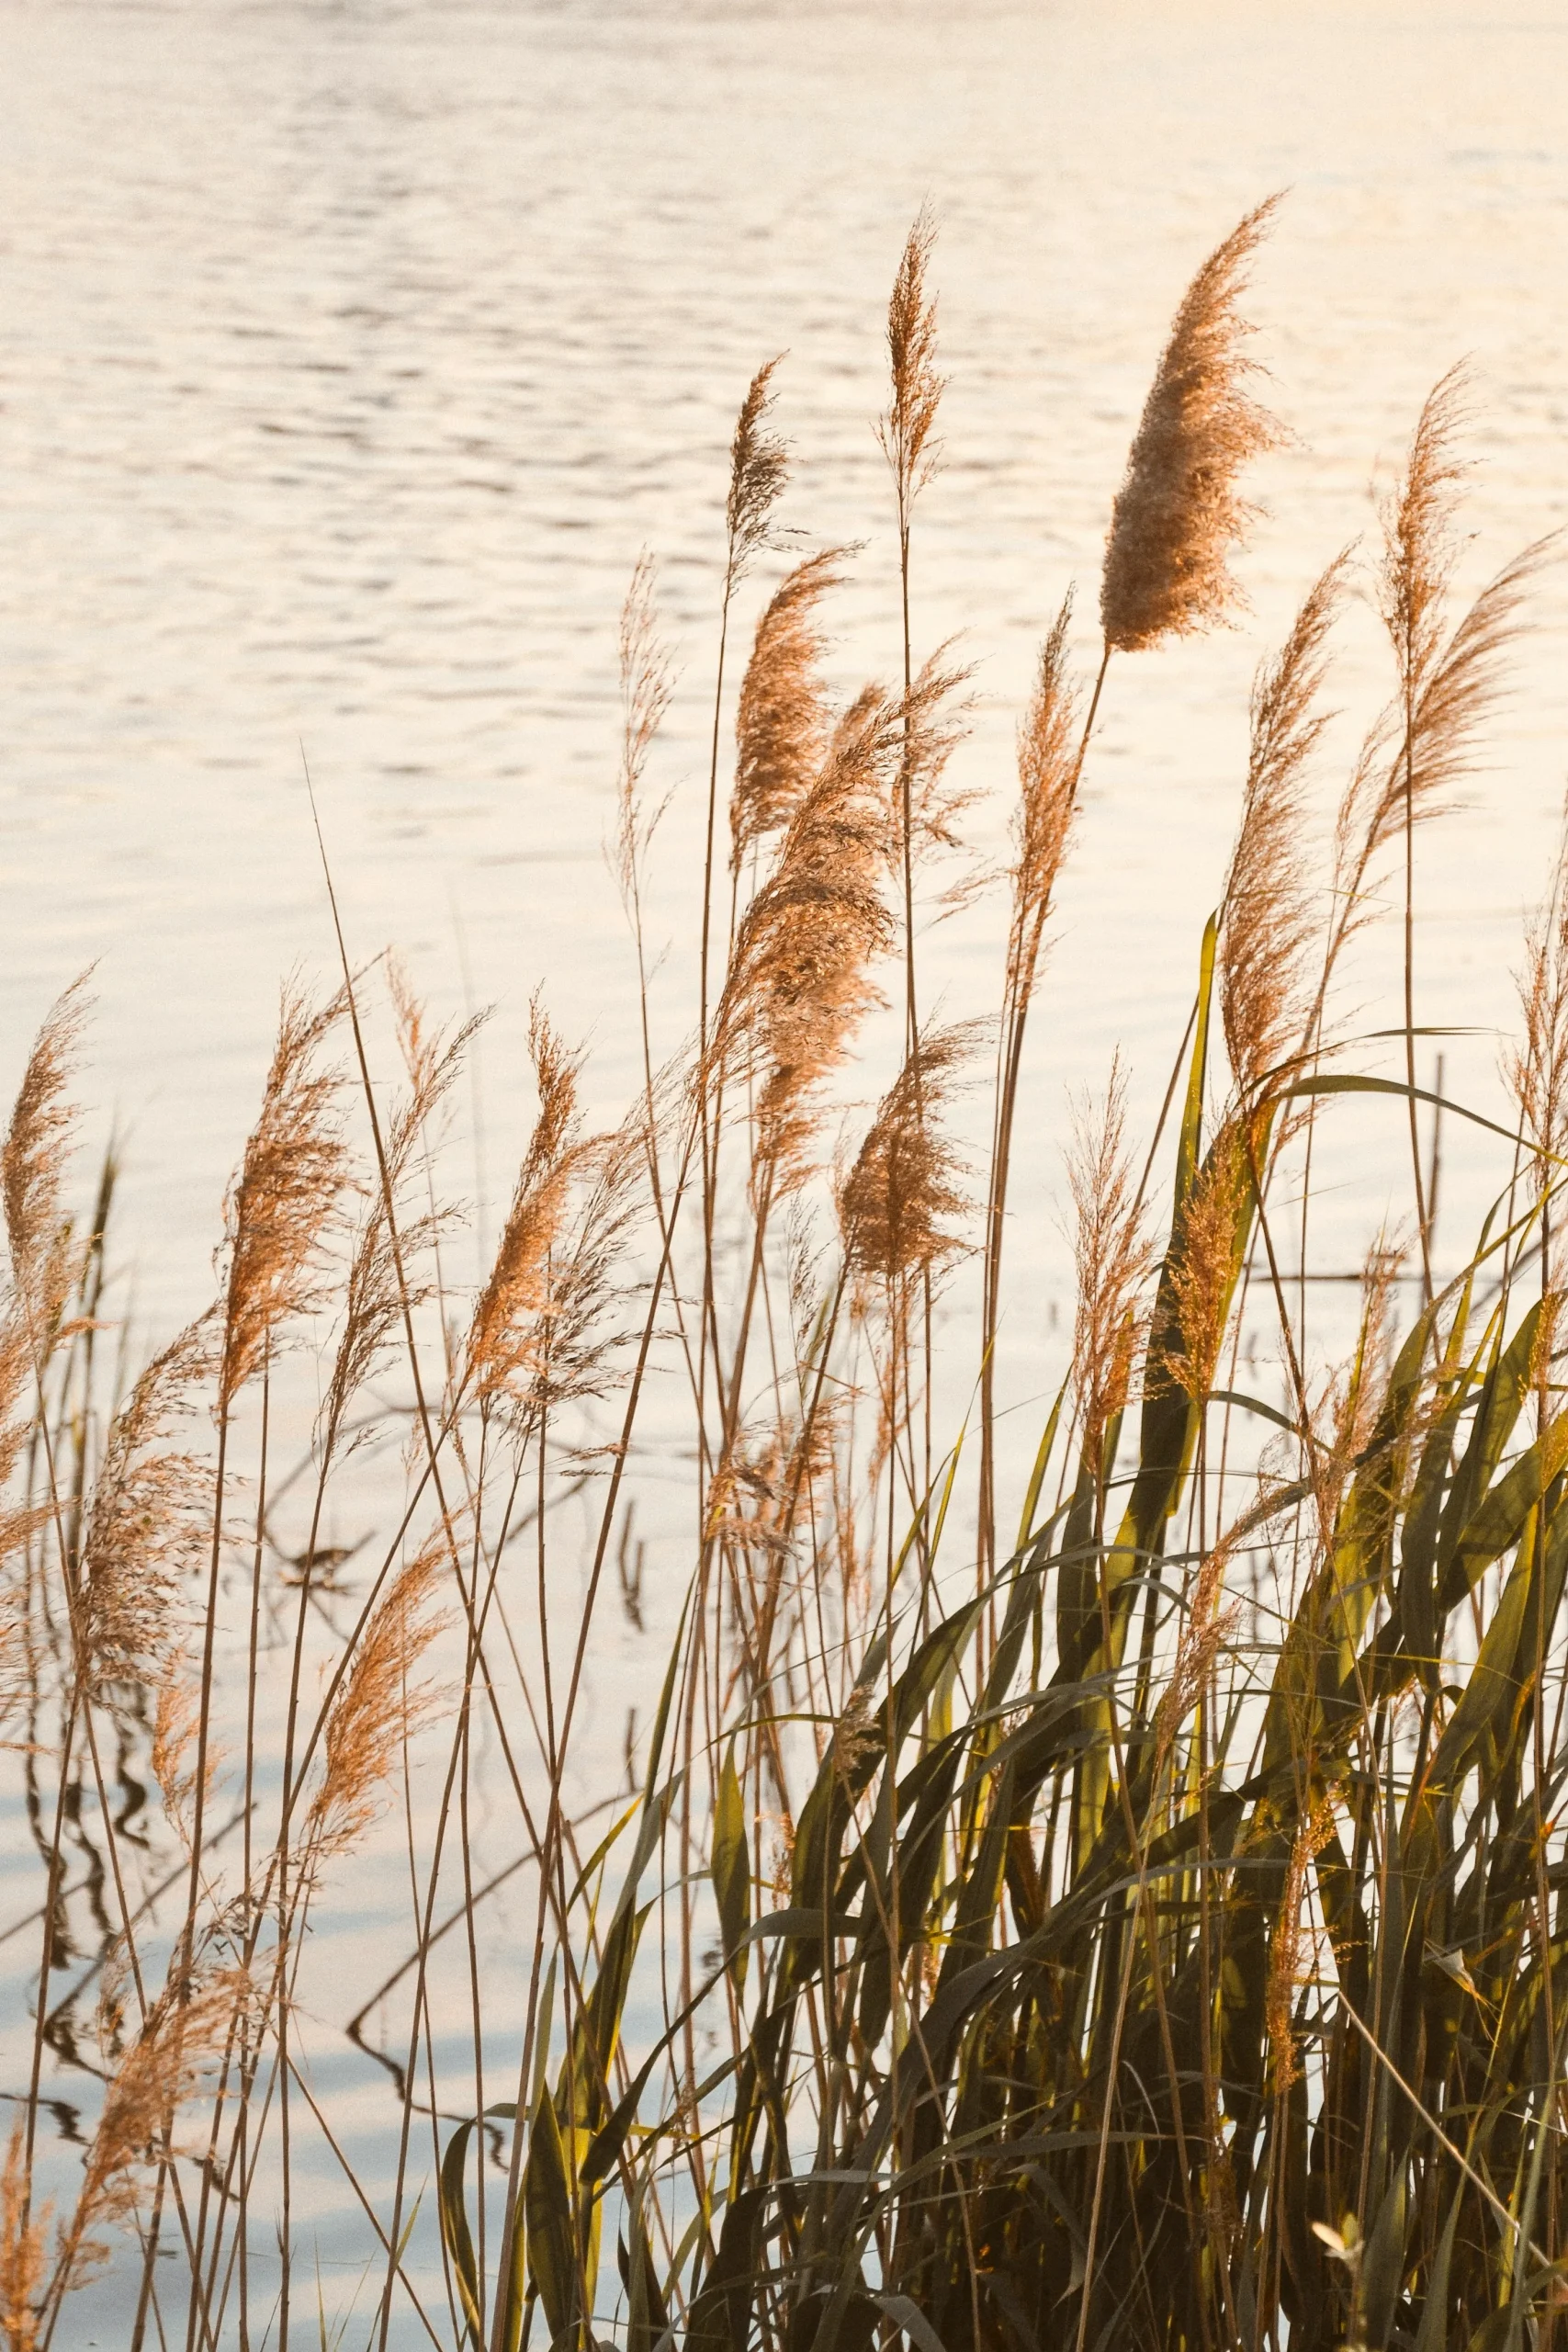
348 357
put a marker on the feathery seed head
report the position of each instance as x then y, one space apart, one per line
799 979
1112 1256
506 1336
1179 514
758 468
895 1204
782 724
1267 925
1048 766
289 1186
378 1706
32 1166
905 432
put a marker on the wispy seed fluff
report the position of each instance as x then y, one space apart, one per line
1178 513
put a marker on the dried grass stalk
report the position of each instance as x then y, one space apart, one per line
1179 514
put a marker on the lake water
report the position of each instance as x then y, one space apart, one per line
349 356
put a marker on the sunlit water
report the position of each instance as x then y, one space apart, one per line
348 357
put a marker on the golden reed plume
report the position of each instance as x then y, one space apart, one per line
1111 1256
505 1338
1267 920
32 1165
905 431
904 1188
782 723
288 1186
1179 514
799 978
758 468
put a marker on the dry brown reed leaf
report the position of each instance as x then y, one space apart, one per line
24 2237
905 431
377 1706
1291 1954
150 1522
32 1164
758 468
1265 994
799 976
1178 515
782 724
506 1338
1205 1270
1112 1255
895 1205
1047 773
287 1189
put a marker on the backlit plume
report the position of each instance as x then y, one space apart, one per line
1179 512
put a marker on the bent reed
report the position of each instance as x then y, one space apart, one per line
1126 1914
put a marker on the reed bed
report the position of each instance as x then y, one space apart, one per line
1125 1912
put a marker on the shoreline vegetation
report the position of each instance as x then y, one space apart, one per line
1126 1913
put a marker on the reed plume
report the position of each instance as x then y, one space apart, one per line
182 2039
897 1200
758 470
1536 1070
24 2248
506 1336
1267 912
1451 680
1112 1255
799 978
906 430
1292 1947
647 685
1179 514
401 1223
149 1524
1203 1275
379 1705
782 723
32 1166
1043 817
288 1186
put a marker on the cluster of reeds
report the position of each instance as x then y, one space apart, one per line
1129 1911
